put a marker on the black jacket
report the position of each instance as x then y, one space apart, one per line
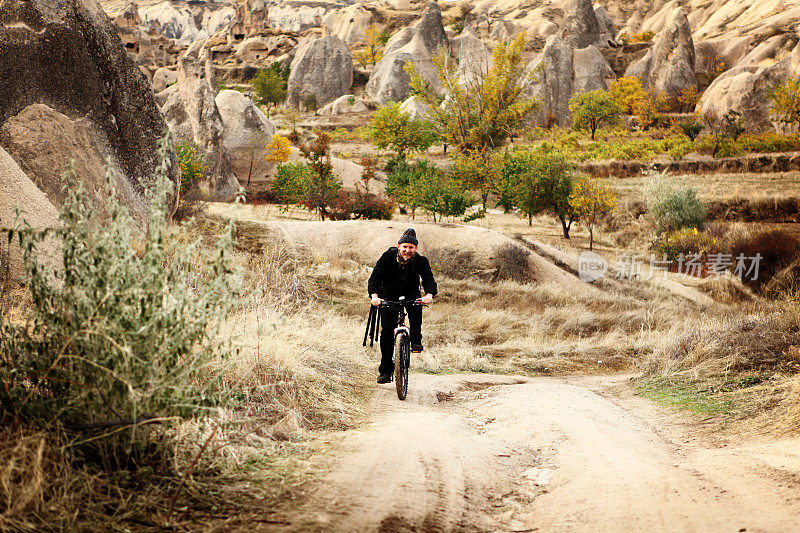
390 281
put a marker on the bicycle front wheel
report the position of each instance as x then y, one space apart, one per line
402 354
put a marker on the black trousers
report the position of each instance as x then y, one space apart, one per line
388 323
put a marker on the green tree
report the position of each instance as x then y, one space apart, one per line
270 88
193 170
395 130
591 197
592 109
438 192
322 189
478 170
785 99
537 181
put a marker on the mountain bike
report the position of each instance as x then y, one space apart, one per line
402 344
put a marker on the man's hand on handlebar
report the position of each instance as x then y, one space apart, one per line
375 300
427 299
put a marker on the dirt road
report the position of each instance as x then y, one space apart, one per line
501 453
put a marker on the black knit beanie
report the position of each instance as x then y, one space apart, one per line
409 236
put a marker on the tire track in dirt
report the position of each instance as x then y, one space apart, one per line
503 453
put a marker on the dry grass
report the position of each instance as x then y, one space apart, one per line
298 375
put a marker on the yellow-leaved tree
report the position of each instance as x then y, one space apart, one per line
483 109
278 149
629 93
590 198
373 49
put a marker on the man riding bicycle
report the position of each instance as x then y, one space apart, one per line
398 273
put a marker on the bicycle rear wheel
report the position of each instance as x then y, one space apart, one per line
402 349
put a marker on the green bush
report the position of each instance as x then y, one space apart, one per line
672 209
122 328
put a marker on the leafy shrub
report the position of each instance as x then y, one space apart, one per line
122 329
350 205
770 142
192 171
672 209
691 129
687 241
512 262
680 148
777 247
395 130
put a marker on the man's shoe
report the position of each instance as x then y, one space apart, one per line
416 348
384 378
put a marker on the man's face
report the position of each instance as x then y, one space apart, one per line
406 250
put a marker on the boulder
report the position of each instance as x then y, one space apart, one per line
669 65
745 90
163 78
590 70
17 191
474 58
581 27
349 24
563 72
322 67
389 79
347 103
69 57
415 108
246 133
192 114
554 83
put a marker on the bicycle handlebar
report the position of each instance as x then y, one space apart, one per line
390 303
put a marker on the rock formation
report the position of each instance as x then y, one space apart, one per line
562 71
17 191
192 114
669 65
745 90
298 16
474 58
98 103
590 70
349 24
323 68
347 103
415 108
389 80
245 136
581 27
